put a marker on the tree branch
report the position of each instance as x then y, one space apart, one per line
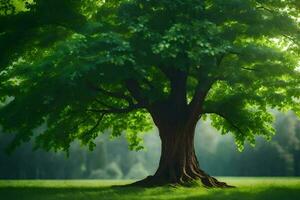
136 91
291 38
204 87
110 93
105 104
265 8
91 130
117 110
249 69
226 118
220 59
195 106
178 81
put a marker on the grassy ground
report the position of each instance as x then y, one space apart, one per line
247 188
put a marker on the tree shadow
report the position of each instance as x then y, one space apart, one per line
267 193
90 193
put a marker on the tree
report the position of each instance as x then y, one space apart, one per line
82 67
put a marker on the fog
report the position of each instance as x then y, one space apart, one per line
111 159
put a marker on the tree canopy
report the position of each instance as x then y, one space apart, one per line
83 66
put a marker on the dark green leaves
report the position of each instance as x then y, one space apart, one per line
83 67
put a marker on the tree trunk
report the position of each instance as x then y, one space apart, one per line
178 163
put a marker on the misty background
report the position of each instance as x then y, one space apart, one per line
111 159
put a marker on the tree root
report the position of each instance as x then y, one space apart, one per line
206 180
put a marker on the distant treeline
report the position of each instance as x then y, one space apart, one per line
278 157
112 159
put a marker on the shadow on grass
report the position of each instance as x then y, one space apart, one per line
273 193
133 193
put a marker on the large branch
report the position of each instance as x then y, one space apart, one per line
117 95
226 118
92 129
136 91
222 56
204 86
117 110
178 83
195 106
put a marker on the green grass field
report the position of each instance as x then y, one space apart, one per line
247 188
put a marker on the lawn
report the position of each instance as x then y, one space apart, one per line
247 188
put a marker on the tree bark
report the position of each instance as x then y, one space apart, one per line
178 162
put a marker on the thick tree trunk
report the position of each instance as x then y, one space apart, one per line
178 163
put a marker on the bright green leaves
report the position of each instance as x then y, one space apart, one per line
7 7
198 40
171 42
258 68
10 7
133 125
241 103
241 113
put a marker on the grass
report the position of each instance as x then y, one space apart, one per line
247 189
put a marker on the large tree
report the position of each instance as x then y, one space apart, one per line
82 67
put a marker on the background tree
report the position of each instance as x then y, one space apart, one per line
112 158
82 67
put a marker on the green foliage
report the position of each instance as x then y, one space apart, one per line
82 67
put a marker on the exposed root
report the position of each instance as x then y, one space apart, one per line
207 181
211 182
179 165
